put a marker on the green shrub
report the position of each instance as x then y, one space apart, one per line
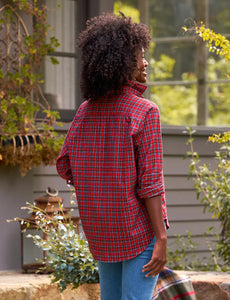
181 254
68 255
213 187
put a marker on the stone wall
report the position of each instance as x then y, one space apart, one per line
17 286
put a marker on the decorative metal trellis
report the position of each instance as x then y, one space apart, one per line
12 33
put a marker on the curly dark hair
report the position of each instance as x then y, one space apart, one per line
109 48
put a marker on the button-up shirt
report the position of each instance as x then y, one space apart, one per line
113 157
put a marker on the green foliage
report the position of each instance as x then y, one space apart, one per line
21 97
68 255
127 10
181 254
177 103
219 108
213 186
177 254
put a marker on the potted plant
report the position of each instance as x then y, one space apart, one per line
27 135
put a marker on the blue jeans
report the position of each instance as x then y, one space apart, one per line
125 280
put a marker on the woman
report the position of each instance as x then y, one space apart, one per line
112 155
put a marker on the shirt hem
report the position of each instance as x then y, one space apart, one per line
124 258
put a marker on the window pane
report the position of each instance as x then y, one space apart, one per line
171 60
177 104
60 83
219 94
219 104
219 12
166 17
62 20
218 67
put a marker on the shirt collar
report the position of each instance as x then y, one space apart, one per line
131 86
136 87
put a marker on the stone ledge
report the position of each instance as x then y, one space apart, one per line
209 285
18 286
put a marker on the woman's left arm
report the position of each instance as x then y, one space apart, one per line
159 257
151 185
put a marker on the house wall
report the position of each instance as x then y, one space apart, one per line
15 191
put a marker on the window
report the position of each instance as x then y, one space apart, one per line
60 88
189 85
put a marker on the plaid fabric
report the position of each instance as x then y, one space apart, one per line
171 286
113 156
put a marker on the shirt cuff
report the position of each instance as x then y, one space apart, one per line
150 191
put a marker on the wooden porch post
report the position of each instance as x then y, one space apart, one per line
143 6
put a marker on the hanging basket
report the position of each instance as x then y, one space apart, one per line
26 151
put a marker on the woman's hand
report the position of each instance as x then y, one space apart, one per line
158 260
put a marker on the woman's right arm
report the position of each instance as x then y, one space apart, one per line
63 163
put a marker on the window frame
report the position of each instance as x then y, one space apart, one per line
202 82
81 15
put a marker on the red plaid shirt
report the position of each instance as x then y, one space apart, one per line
113 157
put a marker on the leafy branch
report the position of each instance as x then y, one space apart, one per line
213 186
215 42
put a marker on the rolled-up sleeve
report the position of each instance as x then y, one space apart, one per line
63 163
149 156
